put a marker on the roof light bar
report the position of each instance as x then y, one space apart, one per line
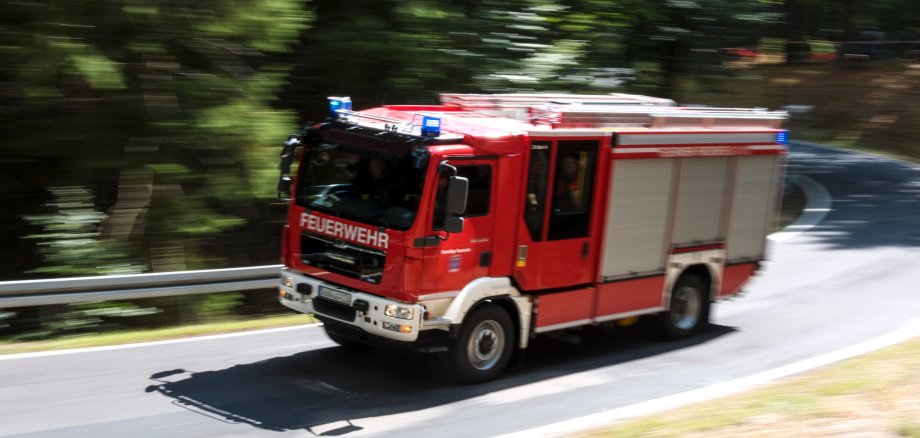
338 103
431 126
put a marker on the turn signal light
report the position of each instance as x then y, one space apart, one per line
397 327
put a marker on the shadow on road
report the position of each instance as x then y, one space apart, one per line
876 201
313 389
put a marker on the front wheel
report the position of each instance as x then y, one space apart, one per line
688 310
483 348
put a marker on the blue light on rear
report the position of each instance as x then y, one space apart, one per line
431 126
782 137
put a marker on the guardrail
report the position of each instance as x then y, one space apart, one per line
124 287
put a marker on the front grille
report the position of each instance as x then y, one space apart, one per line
333 309
351 260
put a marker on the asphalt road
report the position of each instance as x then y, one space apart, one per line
850 278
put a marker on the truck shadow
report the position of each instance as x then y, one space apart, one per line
311 390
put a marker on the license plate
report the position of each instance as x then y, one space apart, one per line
335 295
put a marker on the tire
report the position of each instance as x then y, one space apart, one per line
483 348
688 311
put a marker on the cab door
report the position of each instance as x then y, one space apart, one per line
555 242
465 256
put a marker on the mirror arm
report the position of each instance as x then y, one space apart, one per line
287 158
287 154
448 168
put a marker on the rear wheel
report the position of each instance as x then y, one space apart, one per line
688 310
484 347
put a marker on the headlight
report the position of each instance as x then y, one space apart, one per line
287 281
395 311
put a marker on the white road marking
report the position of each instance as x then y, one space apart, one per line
817 206
152 343
612 416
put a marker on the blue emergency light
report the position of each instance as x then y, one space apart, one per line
338 103
782 137
431 126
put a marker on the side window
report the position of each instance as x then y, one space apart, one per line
478 199
573 186
537 179
480 195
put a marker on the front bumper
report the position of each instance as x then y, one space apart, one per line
348 306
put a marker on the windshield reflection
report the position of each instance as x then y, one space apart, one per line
367 189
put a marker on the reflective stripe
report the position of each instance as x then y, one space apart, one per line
683 138
684 151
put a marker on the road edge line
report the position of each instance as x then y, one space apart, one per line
611 417
817 205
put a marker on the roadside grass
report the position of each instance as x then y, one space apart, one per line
134 336
910 429
873 395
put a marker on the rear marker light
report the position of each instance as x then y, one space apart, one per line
782 137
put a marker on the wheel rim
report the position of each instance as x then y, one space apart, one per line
685 307
485 345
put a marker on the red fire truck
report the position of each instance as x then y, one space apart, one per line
472 226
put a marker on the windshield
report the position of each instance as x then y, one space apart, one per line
347 183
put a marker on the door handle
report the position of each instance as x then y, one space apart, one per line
485 259
584 250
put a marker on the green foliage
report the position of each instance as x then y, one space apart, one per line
160 112
70 241
267 25
99 71
143 134
909 429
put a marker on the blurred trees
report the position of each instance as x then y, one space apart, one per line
137 131
142 135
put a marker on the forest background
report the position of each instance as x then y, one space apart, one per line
143 135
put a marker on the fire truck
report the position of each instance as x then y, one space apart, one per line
472 226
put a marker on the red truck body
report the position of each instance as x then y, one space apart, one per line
580 209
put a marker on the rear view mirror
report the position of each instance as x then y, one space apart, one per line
457 189
454 199
453 224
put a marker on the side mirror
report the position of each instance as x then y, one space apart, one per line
287 157
455 199
457 189
453 224
284 188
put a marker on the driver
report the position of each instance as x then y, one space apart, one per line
375 183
